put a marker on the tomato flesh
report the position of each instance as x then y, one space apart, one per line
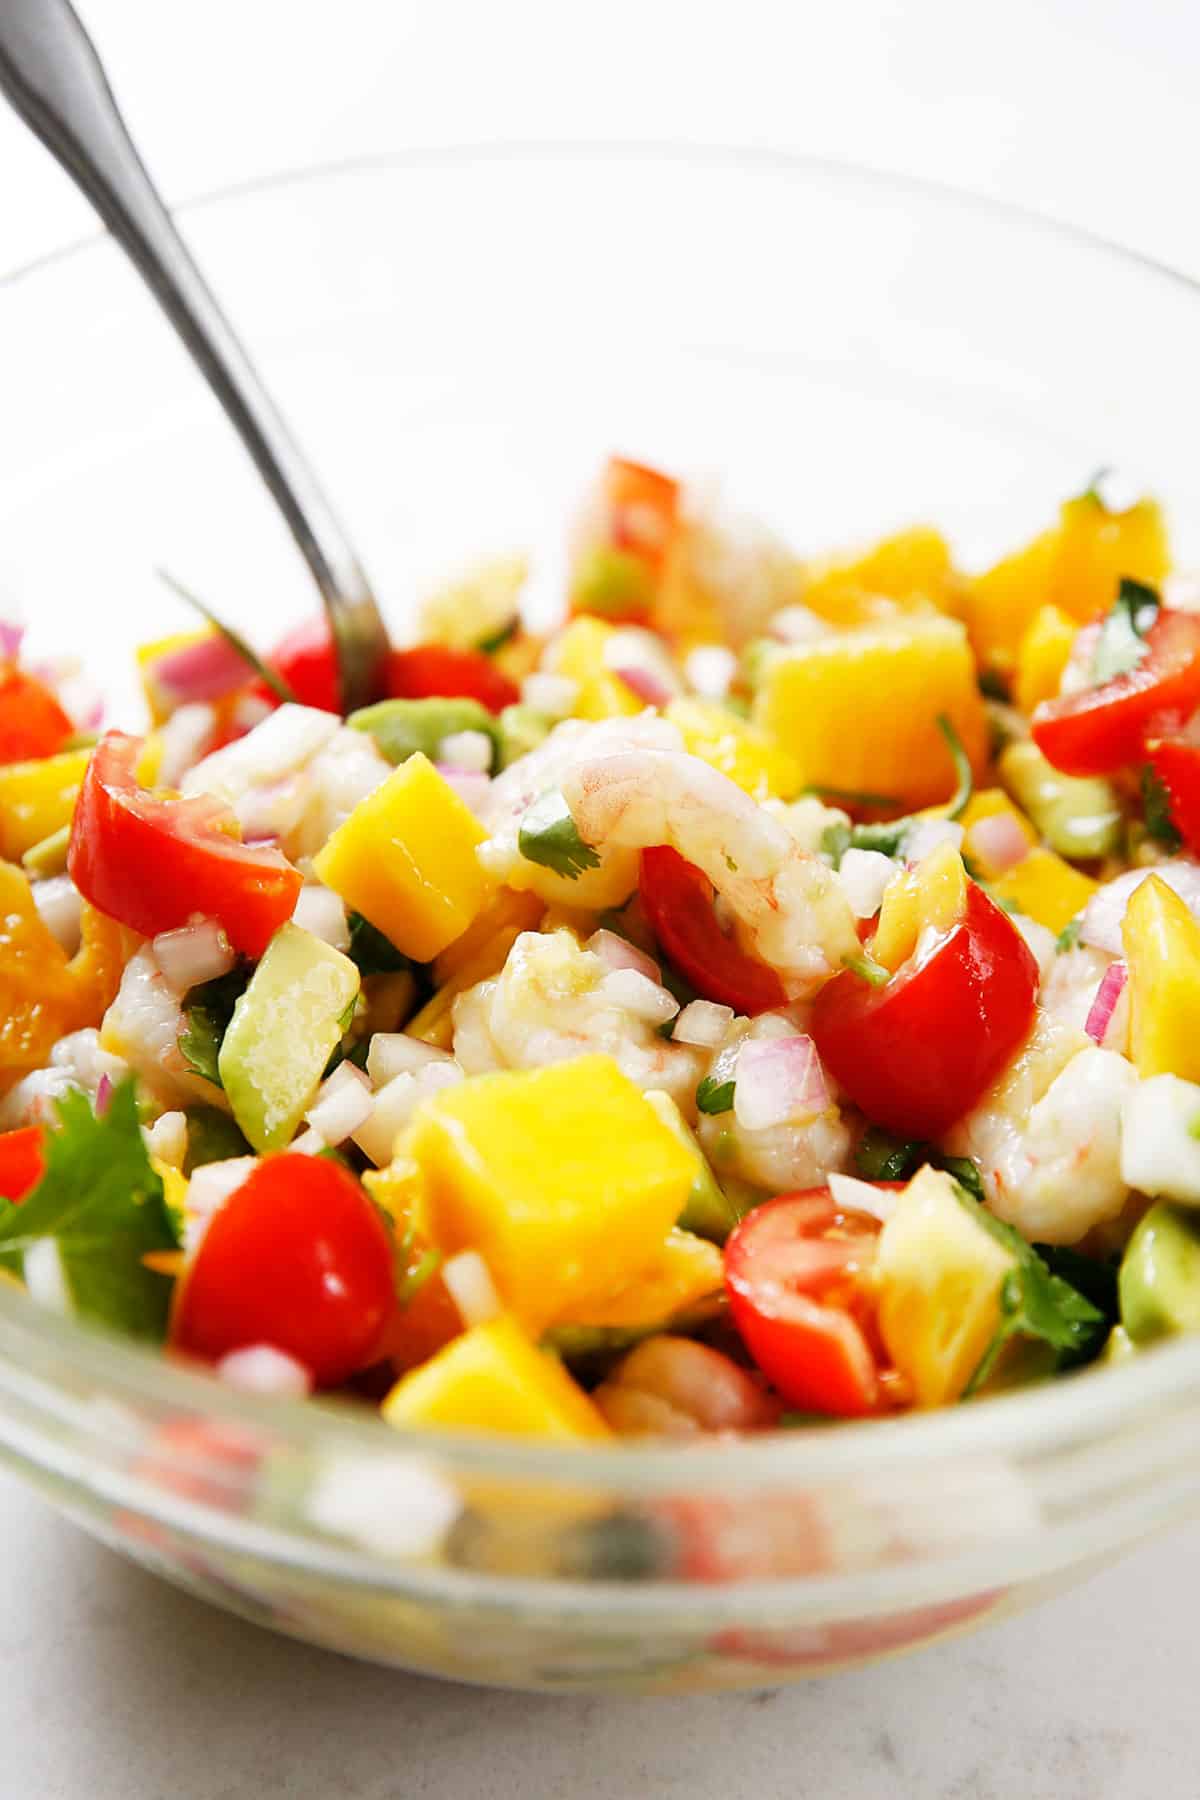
437 672
794 1272
297 1258
153 864
307 662
1101 729
22 1161
917 1053
1176 762
678 901
32 723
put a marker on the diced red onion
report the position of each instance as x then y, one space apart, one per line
777 1080
207 670
645 684
471 787
703 1023
60 910
261 1369
104 1094
635 993
469 1283
1000 841
343 1104
616 952
1100 924
193 954
928 835
321 911
11 635
394 1053
1103 1006
82 702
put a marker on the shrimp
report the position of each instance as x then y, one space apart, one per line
553 1001
789 906
674 1387
776 1158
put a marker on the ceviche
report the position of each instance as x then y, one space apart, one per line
772 995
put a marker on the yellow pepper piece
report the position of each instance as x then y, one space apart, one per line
1162 951
37 799
493 1378
933 894
1045 887
563 1178
405 859
989 803
578 653
1042 656
687 1270
43 993
748 756
909 572
860 710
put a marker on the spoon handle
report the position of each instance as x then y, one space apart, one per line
51 73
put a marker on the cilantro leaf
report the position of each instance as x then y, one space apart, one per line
963 1170
371 951
882 1157
549 836
713 1096
255 664
867 969
1068 937
1157 804
102 1205
1035 1303
1121 644
207 1010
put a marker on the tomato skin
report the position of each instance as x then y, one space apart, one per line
678 901
297 1258
22 1162
793 1270
436 672
1103 728
152 864
32 723
1176 762
916 1054
306 660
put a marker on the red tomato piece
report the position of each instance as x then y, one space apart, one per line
436 672
917 1053
643 509
793 1273
154 863
306 660
678 901
297 1258
22 1162
1100 729
32 723
1176 762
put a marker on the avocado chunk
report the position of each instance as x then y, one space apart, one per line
1160 1274
1078 816
401 728
709 1211
283 1032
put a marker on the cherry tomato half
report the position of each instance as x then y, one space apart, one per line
435 672
794 1271
153 863
297 1258
22 1162
917 1053
1176 762
1102 728
305 659
678 901
32 723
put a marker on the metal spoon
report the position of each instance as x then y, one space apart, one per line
51 73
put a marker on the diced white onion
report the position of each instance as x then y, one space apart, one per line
44 1276
552 695
261 1369
704 1023
167 1138
616 952
470 751
343 1104
798 625
860 1196
1000 841
469 1283
709 670
59 908
1102 916
185 737
321 911
778 1080
1041 941
394 1053
309 1143
193 954
472 788
82 702
928 835
212 1183
637 994
395 1105
864 875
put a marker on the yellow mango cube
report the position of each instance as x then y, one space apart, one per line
1042 656
686 1271
1162 952
933 894
405 859
37 799
578 653
911 571
564 1178
738 749
1045 887
990 803
860 710
493 1378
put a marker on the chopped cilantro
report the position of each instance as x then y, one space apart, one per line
207 1010
1157 804
1068 937
550 836
497 639
1035 1303
713 1096
993 686
371 951
849 796
881 1157
963 1170
835 841
867 969
102 1205
236 642
1121 644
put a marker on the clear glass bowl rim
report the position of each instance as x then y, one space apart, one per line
37 1346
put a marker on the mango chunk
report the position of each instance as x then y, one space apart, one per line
405 859
686 1270
1042 656
932 894
43 993
493 1378
578 654
38 799
1045 887
860 710
563 1178
738 749
1162 951
911 571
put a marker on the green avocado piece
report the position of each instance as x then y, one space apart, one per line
283 1032
708 1211
1160 1274
401 728
1078 816
522 729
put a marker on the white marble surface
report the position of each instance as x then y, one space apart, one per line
113 1685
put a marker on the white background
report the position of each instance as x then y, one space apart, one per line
112 1684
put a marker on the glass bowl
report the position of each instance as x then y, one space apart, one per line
459 337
